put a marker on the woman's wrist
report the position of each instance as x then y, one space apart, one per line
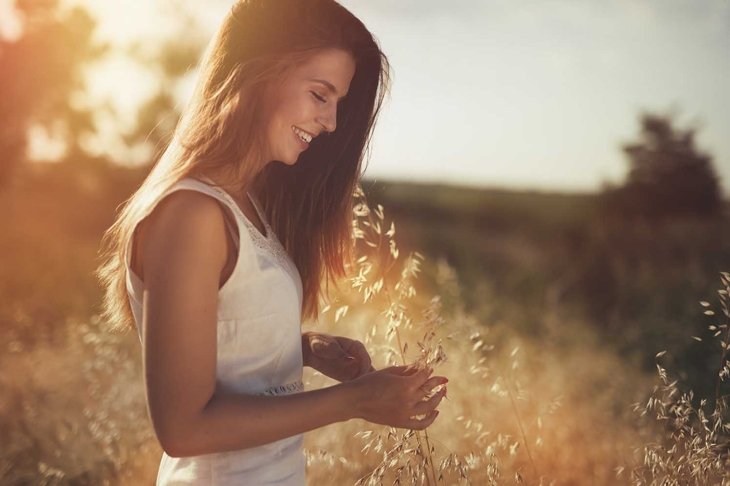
349 401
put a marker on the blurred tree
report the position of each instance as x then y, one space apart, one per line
667 175
157 117
171 61
40 72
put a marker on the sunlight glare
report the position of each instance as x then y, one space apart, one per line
10 27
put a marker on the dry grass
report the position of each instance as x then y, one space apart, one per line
516 411
695 445
521 410
75 414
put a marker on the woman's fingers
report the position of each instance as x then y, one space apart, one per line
418 378
420 424
359 351
400 370
360 372
432 383
428 405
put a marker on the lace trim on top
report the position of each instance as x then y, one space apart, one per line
269 243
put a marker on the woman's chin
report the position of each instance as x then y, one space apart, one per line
288 161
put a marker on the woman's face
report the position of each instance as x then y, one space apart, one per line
305 104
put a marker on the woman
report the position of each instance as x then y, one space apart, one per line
218 256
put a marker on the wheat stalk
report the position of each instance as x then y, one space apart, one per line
395 305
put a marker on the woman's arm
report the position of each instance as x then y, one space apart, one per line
230 421
183 254
234 421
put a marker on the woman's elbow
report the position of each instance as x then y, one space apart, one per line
175 440
173 447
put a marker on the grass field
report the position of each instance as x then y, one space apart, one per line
550 319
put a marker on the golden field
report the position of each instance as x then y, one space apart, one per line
547 324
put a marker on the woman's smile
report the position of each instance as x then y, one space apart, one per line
302 142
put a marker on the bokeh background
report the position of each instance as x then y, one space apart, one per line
561 166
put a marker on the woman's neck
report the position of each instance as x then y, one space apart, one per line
228 183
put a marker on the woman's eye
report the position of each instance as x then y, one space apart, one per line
318 97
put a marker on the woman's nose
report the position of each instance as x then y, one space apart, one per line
328 119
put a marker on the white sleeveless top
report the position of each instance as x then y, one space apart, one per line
259 349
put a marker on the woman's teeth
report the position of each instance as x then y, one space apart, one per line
303 135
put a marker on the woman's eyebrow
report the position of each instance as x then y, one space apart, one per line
330 86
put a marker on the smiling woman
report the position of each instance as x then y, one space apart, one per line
305 106
222 252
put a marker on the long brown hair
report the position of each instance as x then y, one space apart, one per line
308 204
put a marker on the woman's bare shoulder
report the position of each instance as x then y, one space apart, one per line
184 224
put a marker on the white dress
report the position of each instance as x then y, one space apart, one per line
259 349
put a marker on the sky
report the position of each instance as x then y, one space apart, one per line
524 94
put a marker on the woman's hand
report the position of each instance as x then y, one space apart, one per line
338 357
395 395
